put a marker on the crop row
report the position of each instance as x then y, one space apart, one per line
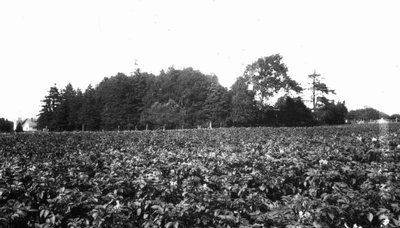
239 177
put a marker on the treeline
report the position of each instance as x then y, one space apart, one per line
370 114
6 125
187 98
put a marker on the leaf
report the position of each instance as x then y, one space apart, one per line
46 212
383 217
370 217
262 187
169 224
158 208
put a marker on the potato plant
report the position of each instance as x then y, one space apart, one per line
342 176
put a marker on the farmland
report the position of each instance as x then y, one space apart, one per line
241 177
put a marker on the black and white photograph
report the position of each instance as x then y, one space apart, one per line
199 113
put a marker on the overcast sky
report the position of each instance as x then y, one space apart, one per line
354 45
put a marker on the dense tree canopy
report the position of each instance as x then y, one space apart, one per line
47 116
366 114
331 113
268 76
244 108
217 105
89 113
186 98
293 112
395 117
164 115
6 125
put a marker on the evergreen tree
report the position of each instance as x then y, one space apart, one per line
47 116
293 112
74 120
121 100
244 109
89 114
319 92
19 127
331 113
6 125
64 112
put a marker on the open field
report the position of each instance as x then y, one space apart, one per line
240 177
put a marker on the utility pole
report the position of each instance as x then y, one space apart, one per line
315 81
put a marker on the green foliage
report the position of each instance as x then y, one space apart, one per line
217 106
267 76
293 112
6 125
190 89
366 114
65 114
124 102
319 92
240 177
19 127
120 98
244 108
331 113
164 115
89 114
47 116
395 117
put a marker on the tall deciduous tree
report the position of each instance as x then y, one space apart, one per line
165 115
121 99
217 105
269 75
188 87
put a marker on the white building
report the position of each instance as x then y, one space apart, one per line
27 124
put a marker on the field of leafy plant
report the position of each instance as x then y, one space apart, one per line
346 176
